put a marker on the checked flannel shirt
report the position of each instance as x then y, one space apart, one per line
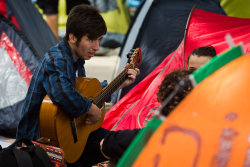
55 76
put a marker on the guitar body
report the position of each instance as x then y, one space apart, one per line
55 123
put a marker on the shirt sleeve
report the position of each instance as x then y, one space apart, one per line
60 87
116 142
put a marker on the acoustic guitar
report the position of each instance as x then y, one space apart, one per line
71 134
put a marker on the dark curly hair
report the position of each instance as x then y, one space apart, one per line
168 85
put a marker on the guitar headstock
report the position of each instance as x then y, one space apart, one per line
135 57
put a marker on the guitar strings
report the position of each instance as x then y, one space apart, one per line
99 99
112 86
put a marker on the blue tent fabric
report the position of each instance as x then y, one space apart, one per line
11 114
31 43
32 25
10 117
161 32
29 56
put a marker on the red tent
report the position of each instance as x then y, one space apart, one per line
204 28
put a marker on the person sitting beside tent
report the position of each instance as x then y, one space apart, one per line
114 144
200 56
56 76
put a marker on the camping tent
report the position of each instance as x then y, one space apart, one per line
24 38
239 8
30 22
204 28
116 15
158 28
211 124
195 78
17 63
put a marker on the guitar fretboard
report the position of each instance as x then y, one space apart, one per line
111 87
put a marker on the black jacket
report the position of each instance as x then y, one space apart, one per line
116 142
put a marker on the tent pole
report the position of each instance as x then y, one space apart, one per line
185 34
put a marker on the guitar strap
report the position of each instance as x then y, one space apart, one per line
81 73
73 128
80 69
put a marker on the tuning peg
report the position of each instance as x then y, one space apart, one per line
130 53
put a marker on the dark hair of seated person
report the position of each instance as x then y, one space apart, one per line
168 85
208 50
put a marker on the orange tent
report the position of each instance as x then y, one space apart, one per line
210 127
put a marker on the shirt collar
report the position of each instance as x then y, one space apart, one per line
69 50
78 61
81 62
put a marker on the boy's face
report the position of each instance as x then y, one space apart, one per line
86 48
197 61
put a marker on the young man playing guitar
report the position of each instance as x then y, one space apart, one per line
56 75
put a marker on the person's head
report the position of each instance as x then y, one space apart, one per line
168 85
84 30
200 56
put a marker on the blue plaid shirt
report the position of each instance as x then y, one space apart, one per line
55 76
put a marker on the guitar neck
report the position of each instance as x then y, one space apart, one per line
111 87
